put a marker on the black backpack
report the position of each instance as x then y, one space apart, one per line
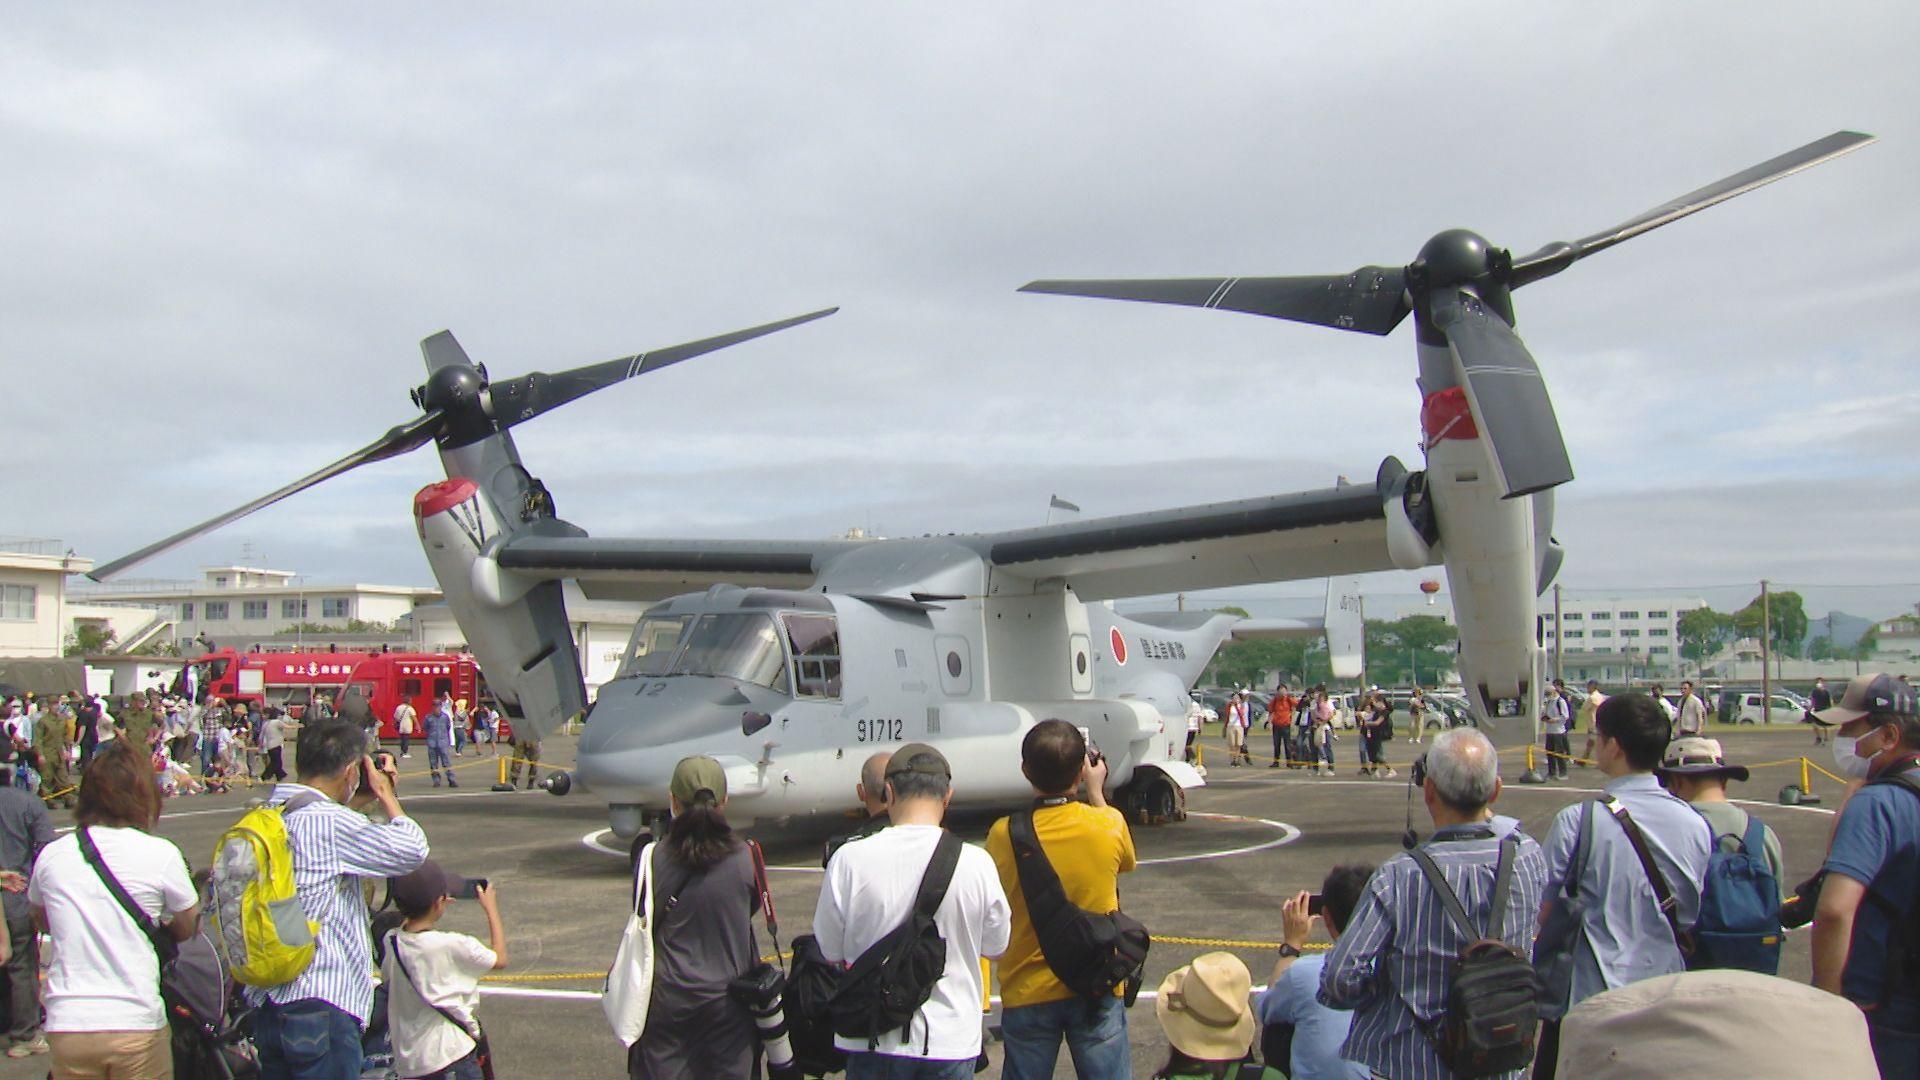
1903 944
1492 1014
886 986
1089 953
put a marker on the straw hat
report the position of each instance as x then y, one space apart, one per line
1204 1010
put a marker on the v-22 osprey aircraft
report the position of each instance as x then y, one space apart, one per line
791 661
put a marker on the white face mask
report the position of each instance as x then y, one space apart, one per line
1847 758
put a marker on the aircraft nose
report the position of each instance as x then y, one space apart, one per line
641 728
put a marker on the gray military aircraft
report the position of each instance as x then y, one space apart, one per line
790 660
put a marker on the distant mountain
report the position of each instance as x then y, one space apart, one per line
1845 630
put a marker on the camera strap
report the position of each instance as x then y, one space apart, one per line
766 900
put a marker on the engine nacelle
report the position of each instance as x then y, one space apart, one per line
516 629
1487 546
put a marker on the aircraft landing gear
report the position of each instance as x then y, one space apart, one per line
1151 798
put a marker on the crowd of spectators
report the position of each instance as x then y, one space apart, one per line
1601 914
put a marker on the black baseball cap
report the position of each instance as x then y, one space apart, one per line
416 891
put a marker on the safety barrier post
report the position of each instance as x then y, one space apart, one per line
1531 775
501 784
1806 775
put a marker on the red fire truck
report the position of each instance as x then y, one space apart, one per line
294 681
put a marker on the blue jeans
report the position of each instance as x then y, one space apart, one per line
467 1068
1096 1035
306 1040
437 759
1895 1032
862 1065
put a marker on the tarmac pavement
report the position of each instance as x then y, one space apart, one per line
1215 881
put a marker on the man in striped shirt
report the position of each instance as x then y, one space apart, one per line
1392 963
309 1028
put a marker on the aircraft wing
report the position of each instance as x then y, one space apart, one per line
639 569
1327 533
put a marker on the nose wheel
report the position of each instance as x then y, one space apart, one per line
1151 798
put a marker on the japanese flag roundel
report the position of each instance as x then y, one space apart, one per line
1119 643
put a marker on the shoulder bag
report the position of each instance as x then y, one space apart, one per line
629 987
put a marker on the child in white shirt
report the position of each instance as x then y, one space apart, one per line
425 968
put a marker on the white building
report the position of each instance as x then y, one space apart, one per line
33 595
1630 638
240 606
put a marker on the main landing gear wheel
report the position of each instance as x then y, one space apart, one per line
1152 798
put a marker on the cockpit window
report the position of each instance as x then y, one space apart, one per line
736 646
654 640
816 655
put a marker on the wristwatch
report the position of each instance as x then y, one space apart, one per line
1288 950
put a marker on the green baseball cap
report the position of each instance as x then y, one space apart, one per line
696 774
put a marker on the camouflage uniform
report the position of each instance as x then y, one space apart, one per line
50 745
525 748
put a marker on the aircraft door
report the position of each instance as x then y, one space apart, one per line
953 655
1080 655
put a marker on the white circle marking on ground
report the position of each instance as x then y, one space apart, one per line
1288 834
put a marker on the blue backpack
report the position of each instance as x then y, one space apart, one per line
1739 923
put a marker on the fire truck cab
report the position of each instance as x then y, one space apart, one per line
294 681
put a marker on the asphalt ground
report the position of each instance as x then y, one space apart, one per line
1215 881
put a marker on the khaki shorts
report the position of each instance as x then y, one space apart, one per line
88 1055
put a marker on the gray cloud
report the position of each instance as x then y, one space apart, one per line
231 226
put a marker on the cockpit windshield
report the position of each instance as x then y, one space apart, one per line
734 645
654 642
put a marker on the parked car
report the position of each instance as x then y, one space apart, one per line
1749 707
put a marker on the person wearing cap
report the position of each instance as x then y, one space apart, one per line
1623 935
1863 922
1697 771
870 889
1555 718
428 970
1392 964
705 892
1089 846
1715 1022
136 721
1204 1010
438 726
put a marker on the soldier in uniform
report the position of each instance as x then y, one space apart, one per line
526 747
51 743
136 722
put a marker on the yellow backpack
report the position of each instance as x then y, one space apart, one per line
256 910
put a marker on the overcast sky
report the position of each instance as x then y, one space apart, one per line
227 229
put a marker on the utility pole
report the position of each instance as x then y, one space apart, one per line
1559 633
1766 654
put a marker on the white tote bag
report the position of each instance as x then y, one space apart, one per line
629 988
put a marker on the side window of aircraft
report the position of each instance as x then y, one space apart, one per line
816 655
654 640
735 646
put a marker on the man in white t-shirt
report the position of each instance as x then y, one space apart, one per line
102 994
405 722
869 890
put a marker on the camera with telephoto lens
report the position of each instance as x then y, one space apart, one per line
759 989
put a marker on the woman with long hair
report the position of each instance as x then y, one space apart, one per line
104 1015
704 892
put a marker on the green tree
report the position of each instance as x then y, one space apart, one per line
88 638
1787 615
1703 632
1409 649
1821 648
1864 649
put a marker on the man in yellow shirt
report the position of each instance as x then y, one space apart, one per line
1089 847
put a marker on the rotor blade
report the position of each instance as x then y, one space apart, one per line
402 438
516 401
1371 300
1508 397
1558 256
441 350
